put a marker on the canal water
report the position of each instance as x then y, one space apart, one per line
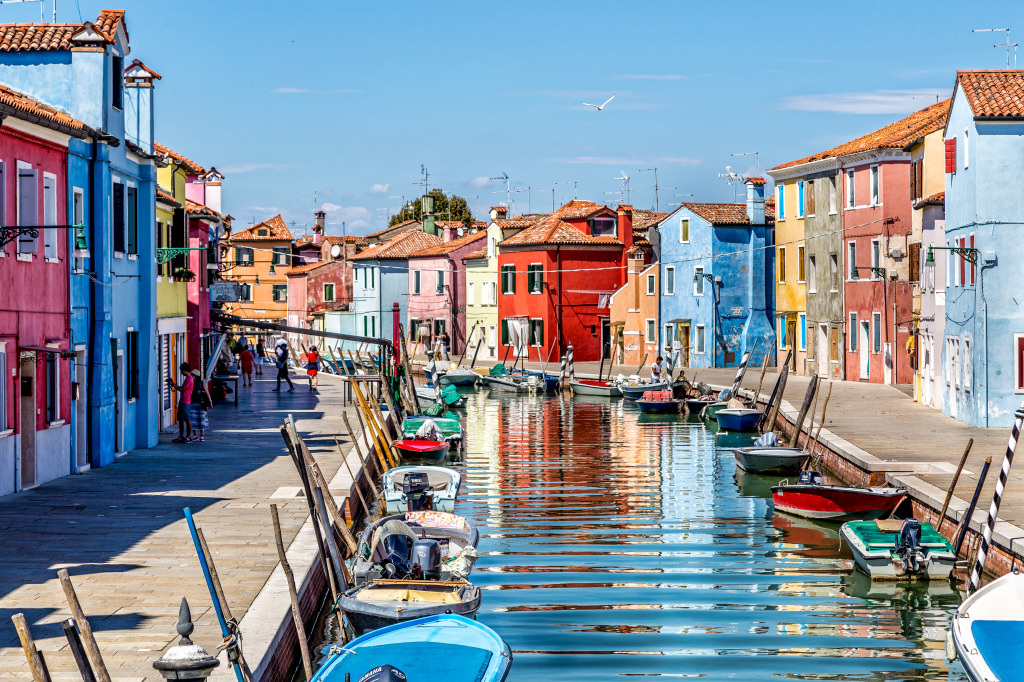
618 544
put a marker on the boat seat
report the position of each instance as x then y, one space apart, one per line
408 595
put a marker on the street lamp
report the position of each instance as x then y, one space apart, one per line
968 253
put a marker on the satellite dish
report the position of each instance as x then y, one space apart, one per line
335 250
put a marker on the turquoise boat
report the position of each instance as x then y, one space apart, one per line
443 647
451 429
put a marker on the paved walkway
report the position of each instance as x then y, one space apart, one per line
121 534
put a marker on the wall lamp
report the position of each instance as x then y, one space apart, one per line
969 254
876 272
708 276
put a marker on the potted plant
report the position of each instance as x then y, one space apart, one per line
184 274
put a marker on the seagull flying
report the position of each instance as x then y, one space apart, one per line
599 107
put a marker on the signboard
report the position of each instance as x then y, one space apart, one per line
225 292
737 311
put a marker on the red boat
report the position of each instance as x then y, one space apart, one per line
812 499
423 449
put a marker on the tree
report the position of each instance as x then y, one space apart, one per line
414 209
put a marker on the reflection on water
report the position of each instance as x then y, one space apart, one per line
615 545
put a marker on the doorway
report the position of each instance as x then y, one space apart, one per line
28 421
791 338
81 366
116 366
606 339
822 350
683 343
865 350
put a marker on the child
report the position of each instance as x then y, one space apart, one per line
312 367
245 362
201 404
184 390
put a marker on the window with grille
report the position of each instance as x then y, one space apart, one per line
535 278
131 363
280 293
508 280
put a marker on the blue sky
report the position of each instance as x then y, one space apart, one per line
347 100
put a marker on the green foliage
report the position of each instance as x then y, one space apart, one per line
414 209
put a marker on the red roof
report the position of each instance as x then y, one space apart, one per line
188 163
20 102
108 22
306 267
576 209
42 37
993 94
552 230
199 210
396 226
166 196
445 248
939 198
726 214
275 228
893 136
479 253
642 220
513 223
400 246
755 181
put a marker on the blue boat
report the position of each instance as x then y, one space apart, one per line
987 630
550 382
444 647
738 419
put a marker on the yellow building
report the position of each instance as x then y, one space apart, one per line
260 257
790 287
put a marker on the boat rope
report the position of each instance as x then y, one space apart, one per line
997 497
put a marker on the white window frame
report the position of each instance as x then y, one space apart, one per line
529 330
670 291
417 282
55 389
955 342
698 280
76 193
650 330
51 251
439 282
812 275
875 185
700 341
854 332
967 364
851 189
538 268
652 289
833 196
19 167
876 333
470 293
684 231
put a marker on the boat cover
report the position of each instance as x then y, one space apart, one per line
768 440
434 519
497 371
407 595
657 395
429 430
999 644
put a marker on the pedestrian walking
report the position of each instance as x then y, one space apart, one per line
245 362
184 390
312 366
281 361
200 407
261 354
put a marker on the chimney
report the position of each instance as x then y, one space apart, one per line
318 227
138 113
450 231
498 212
625 217
427 205
212 180
755 201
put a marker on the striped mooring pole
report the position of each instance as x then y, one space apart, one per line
740 371
997 497
561 374
572 368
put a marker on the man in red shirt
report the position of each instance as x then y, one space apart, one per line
184 390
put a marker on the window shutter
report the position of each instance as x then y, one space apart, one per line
913 180
951 155
529 278
132 222
915 262
504 332
118 196
512 279
540 278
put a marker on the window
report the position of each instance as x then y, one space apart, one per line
698 339
951 155
439 327
684 230
77 216
3 391
874 185
876 258
800 273
967 149
800 199
508 279
780 202
131 220
603 227
782 265
328 292
118 199
832 199
698 280
49 216
670 281
416 281
504 332
850 196
27 208
489 293
833 272
246 294
916 179
876 332
370 325
244 255
651 331
812 275
439 282
131 364
802 327
537 332
492 247
470 293
967 354
1018 364
853 332
280 293
281 255
52 387
809 209
853 261
650 285
535 278
373 279
783 341
117 82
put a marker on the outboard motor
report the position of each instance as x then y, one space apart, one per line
426 558
384 673
909 555
416 488
808 477
397 542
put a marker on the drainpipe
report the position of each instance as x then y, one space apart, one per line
981 288
90 423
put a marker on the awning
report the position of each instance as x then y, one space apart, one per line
41 352
678 320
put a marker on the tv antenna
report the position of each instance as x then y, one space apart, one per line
426 179
1007 44
644 170
566 182
757 160
529 199
11 2
508 191
734 179
625 184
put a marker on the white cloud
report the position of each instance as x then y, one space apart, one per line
379 188
250 167
480 181
628 160
308 91
874 102
356 218
649 77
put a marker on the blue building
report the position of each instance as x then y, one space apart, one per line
80 69
983 348
716 281
380 278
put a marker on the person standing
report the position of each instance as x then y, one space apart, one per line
281 361
245 362
184 390
261 354
657 371
312 366
200 408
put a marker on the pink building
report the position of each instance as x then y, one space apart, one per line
437 288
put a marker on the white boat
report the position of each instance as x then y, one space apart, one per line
899 549
442 486
987 631
459 376
593 387
636 390
505 383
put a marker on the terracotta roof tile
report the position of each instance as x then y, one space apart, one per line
893 136
166 196
400 246
479 253
939 198
769 209
199 210
403 225
727 214
576 209
447 247
275 227
642 220
306 267
756 181
552 230
20 102
513 223
191 165
19 37
108 22
993 94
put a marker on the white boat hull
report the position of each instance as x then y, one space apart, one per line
504 384
588 389
460 377
999 604
878 563
447 480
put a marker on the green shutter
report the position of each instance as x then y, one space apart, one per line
539 278
512 279
529 278
504 279
504 332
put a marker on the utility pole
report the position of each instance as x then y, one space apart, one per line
644 170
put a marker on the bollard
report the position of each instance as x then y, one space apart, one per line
186 661
572 368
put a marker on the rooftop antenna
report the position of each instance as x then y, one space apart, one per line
625 184
529 200
644 170
757 160
733 179
10 2
1007 44
566 182
426 178
508 191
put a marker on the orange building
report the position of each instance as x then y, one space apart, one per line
634 313
260 257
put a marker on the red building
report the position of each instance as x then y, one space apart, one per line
558 275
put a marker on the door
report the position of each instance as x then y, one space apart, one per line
116 366
822 350
28 421
81 411
606 338
492 350
865 350
166 399
792 340
683 343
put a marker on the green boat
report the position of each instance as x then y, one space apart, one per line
899 549
451 429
